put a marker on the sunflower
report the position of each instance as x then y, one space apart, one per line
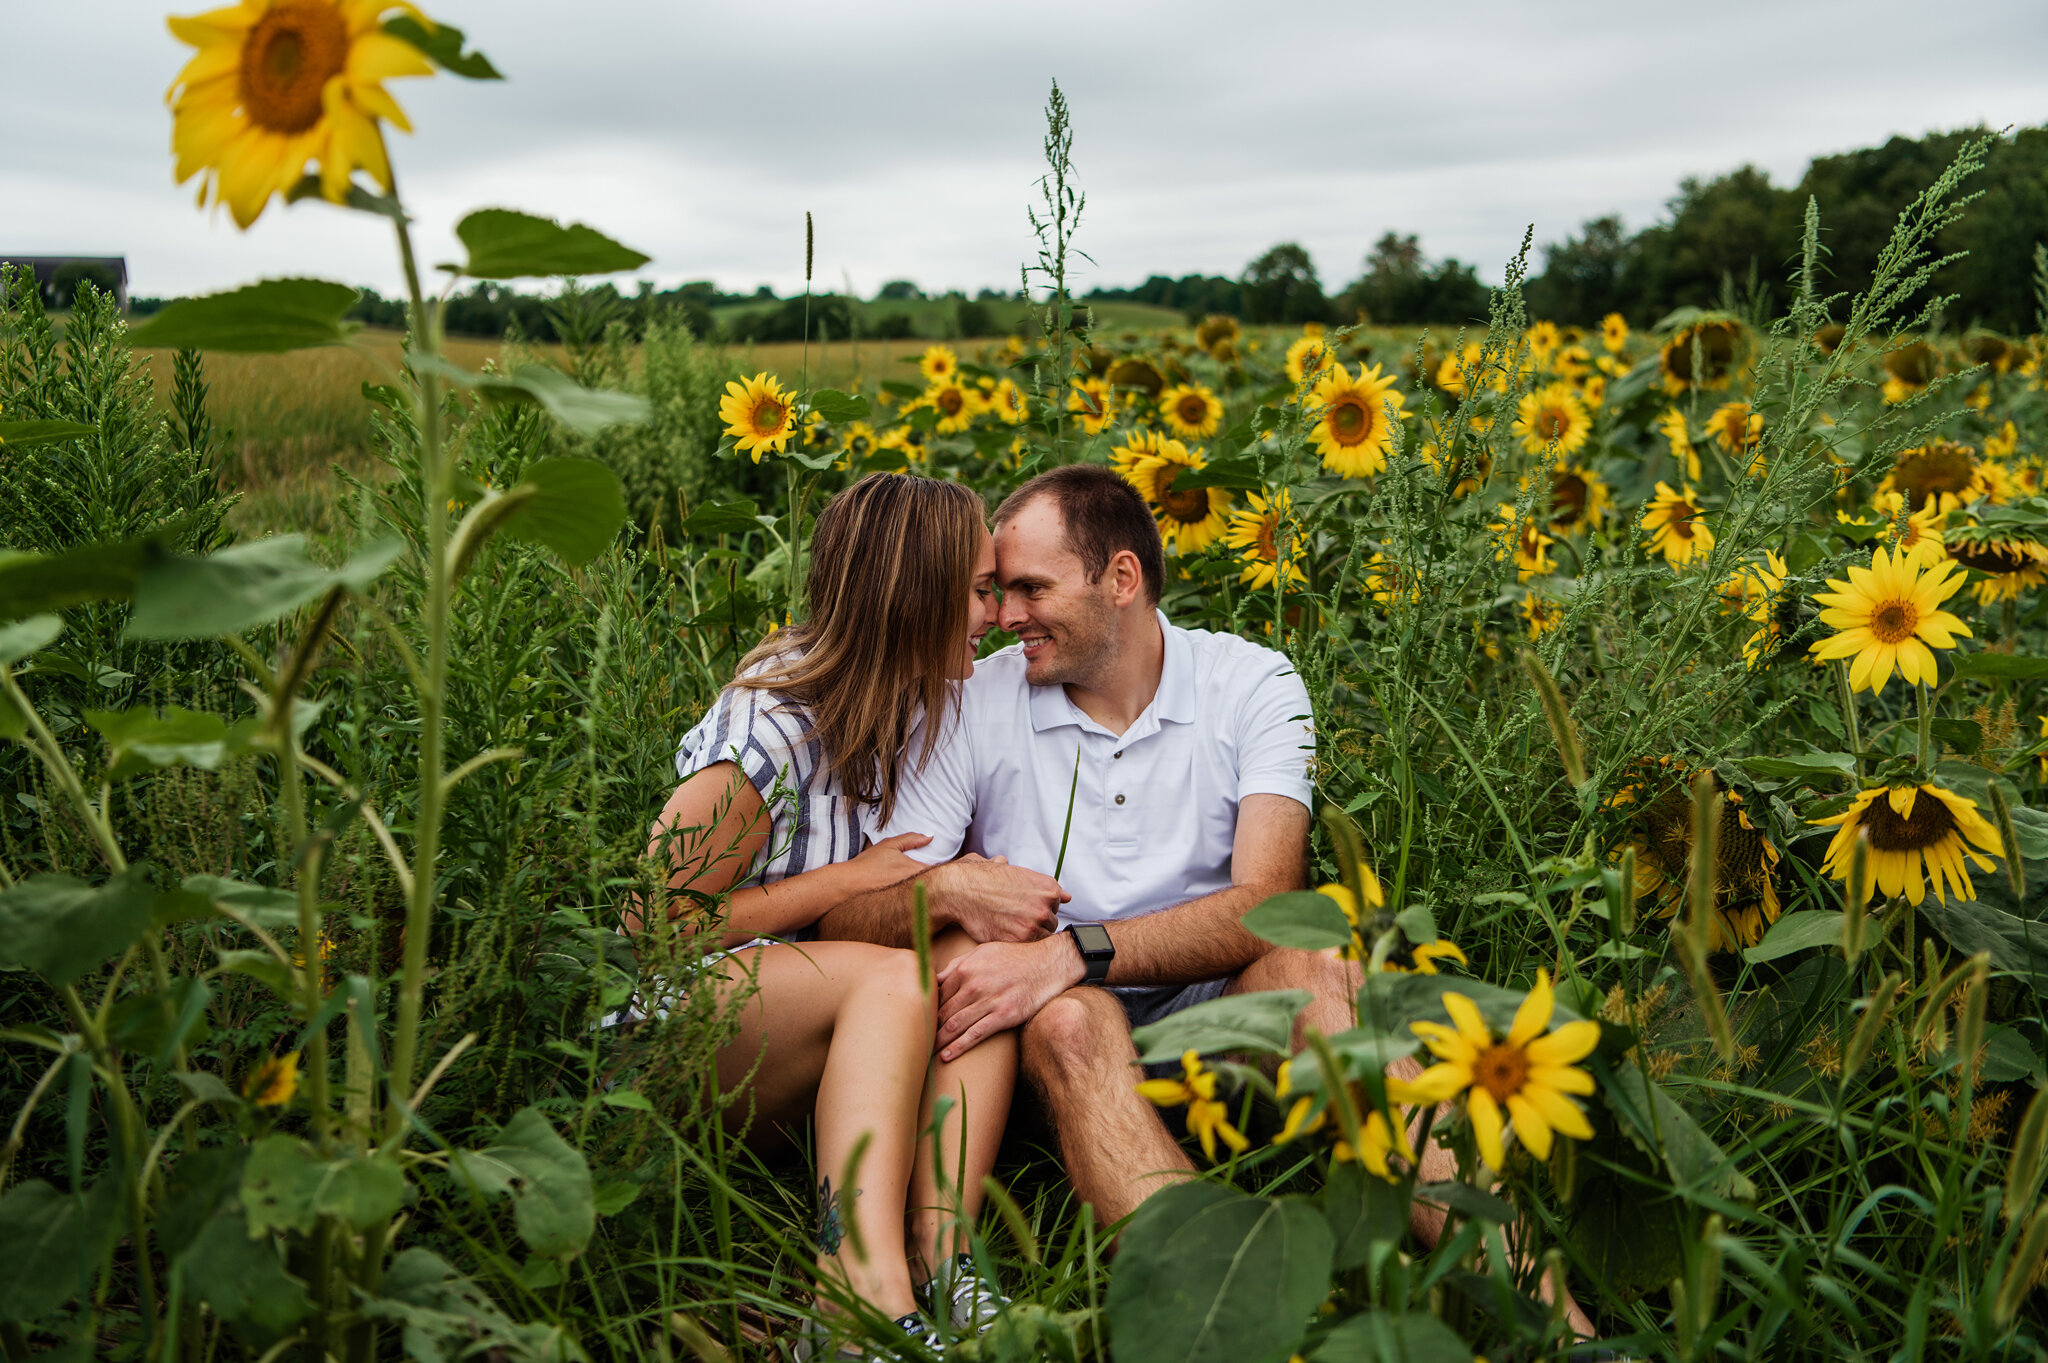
1386 580
1472 467
1676 434
858 440
1578 499
1138 446
1677 526
1593 392
1540 614
272 1083
1526 1072
1215 332
1355 418
1763 595
1573 364
1829 337
1007 401
1984 348
758 415
1746 899
1095 404
1717 344
938 364
1189 520
955 402
1917 835
1376 1136
1208 1118
1998 481
1452 372
1255 533
1191 411
1136 372
1543 339
1735 427
1375 896
2003 442
1306 358
1614 333
1523 537
1552 418
278 84
1889 615
1913 365
2011 564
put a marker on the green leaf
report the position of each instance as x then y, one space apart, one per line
280 1185
161 1021
1301 919
139 739
257 319
201 1183
2002 666
242 1278
583 410
1813 766
1963 735
445 1316
1260 1022
1206 1274
2010 1056
1798 932
1240 473
1659 1127
360 1190
24 637
264 967
180 597
2017 944
1393 1337
260 904
611 1198
60 927
442 45
1633 1243
546 1177
37 584
1363 1210
1467 1201
836 406
576 510
55 1242
17 435
504 244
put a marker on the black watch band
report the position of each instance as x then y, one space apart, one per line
1097 951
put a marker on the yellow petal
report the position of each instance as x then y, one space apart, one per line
1465 1013
1486 1128
1534 1013
1529 1126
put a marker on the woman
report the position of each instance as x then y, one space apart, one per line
812 730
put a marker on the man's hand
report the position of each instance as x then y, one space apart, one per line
1000 985
993 901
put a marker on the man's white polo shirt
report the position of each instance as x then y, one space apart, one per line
1155 809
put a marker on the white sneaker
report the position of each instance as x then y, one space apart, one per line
970 1301
813 1346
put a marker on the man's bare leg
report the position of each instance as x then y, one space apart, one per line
1078 1053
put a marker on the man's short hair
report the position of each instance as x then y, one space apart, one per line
1102 515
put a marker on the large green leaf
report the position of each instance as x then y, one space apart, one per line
37 584
1363 1210
1660 1128
835 406
258 319
1261 1023
280 1185
60 927
260 904
24 637
504 244
54 1242
140 739
444 1316
1800 931
1206 1274
1820 766
242 1277
1393 1337
2017 943
17 435
583 410
576 511
2002 666
547 1178
181 597
1633 1241
723 518
441 44
1300 918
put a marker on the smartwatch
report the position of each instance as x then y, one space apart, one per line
1097 951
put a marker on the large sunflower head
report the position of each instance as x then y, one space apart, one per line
277 85
1453 374
1007 401
1355 419
1735 427
1135 371
1190 519
1308 358
939 364
758 414
956 403
1543 338
1984 348
1263 532
2012 562
1746 899
1578 499
1915 364
1703 355
1917 835
1191 410
1888 616
1552 419
1942 473
1677 527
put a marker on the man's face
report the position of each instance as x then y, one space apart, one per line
1065 622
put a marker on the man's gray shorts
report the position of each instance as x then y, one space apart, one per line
1145 1003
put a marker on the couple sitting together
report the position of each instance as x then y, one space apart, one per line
1163 772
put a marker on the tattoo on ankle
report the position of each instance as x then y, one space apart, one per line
832 1209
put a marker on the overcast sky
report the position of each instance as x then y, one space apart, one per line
1204 132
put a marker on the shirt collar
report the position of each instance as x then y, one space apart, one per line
1173 703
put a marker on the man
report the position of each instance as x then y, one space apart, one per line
1168 767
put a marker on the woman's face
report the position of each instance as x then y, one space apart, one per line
981 605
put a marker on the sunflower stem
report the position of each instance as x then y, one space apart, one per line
1926 730
1851 728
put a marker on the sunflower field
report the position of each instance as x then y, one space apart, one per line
1682 716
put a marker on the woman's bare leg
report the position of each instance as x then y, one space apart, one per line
942 1215
841 1032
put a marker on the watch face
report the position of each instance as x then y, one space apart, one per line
1092 938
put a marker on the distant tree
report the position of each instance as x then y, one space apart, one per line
900 289
786 321
1401 286
972 318
1590 275
1281 286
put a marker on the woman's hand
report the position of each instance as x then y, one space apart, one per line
886 863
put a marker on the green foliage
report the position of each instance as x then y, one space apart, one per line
258 319
507 245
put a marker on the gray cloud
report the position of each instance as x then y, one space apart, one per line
1205 131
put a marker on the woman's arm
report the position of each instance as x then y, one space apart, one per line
712 831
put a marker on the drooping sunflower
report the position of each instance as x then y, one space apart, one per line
1522 1079
1614 333
2011 563
1552 419
1746 899
1191 411
956 403
1912 367
1703 355
1008 402
1578 499
1307 357
1735 427
938 364
1218 332
1355 419
1190 520
1677 526
1092 400
1208 1118
1137 373
1918 836
1679 437
279 84
1889 616
1255 532
758 414
1523 537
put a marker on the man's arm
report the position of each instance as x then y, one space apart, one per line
989 900
1001 985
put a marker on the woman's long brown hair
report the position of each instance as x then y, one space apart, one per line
892 566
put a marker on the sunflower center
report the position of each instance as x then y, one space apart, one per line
1269 534
768 414
951 400
1190 506
1568 495
289 56
1552 423
1894 621
1194 410
1349 421
1501 1070
1930 822
1681 519
1944 467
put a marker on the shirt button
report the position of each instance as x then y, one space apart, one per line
1118 754
1119 799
